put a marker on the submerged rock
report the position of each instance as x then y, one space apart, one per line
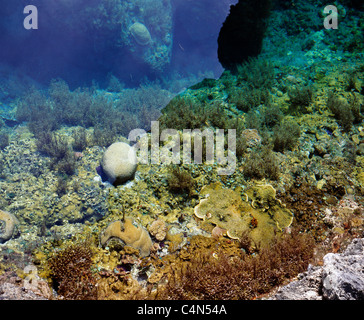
343 274
340 278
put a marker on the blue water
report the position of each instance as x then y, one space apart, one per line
82 41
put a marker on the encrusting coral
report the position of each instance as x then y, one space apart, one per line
261 214
158 229
7 225
130 233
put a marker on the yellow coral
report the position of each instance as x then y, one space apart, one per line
130 233
158 229
225 209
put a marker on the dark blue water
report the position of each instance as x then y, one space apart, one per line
82 41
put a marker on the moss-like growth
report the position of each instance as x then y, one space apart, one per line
256 73
187 113
56 147
300 99
180 181
262 163
271 116
80 139
71 273
341 110
210 277
285 136
246 99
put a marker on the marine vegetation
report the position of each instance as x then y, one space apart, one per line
96 215
346 113
71 272
261 163
285 136
180 181
222 277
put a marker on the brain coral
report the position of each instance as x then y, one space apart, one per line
130 233
140 33
261 214
119 163
7 225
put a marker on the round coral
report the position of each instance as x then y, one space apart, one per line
8 223
140 33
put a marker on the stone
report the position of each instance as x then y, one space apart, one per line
340 278
307 287
119 163
130 233
8 223
343 274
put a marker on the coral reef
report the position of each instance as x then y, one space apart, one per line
263 217
130 233
158 229
295 194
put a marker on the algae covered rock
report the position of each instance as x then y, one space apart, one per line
119 163
8 223
260 214
130 233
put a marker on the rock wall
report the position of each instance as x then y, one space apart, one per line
340 278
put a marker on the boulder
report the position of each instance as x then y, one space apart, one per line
340 278
343 274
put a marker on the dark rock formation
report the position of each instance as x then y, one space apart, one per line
242 33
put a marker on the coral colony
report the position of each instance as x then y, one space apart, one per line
181 150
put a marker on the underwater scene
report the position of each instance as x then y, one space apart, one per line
181 150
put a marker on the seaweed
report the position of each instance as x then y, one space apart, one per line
246 99
285 136
71 272
261 163
187 113
221 277
345 114
180 181
80 140
56 147
300 98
